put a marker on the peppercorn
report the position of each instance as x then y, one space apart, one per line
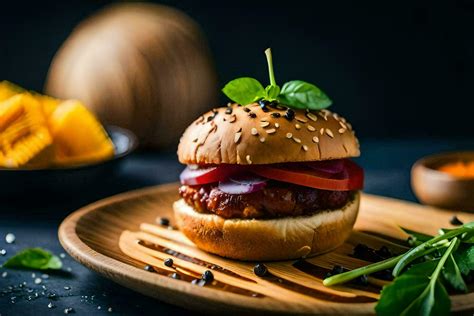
456 221
164 221
168 262
176 276
149 268
207 276
260 270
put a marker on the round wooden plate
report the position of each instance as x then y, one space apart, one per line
91 235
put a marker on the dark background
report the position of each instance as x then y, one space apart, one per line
395 69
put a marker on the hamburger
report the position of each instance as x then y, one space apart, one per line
268 180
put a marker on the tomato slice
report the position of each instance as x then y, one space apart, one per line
351 178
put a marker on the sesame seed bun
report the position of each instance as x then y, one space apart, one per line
271 239
249 135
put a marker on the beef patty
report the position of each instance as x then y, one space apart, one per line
277 199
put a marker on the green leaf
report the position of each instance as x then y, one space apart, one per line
411 293
34 258
272 92
418 291
464 257
303 95
452 275
244 90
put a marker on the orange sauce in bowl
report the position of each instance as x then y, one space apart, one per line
459 169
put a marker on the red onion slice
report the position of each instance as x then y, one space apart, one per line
243 184
328 166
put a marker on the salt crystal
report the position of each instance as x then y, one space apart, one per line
3 252
45 276
4 274
67 288
51 305
62 255
38 280
10 238
109 309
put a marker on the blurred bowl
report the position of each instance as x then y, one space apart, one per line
441 189
67 180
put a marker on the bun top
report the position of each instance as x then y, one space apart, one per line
273 134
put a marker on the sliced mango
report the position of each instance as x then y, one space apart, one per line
23 130
78 136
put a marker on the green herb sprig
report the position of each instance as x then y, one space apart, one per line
34 258
422 273
297 94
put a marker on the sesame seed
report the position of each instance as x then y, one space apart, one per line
271 131
336 116
262 139
249 161
237 137
316 139
311 128
297 126
305 148
246 109
277 125
297 140
323 115
349 126
229 104
289 135
264 124
301 119
329 133
342 130
254 131
343 125
312 117
321 131
228 110
276 114
252 115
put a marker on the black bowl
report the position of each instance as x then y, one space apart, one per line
67 180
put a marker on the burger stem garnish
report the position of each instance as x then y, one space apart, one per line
296 94
265 181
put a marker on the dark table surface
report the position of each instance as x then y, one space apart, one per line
34 222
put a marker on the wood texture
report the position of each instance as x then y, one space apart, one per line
92 236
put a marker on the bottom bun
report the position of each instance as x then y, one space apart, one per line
270 239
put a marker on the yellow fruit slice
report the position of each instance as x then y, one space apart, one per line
78 136
8 89
23 130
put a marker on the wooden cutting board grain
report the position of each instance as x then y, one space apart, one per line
104 237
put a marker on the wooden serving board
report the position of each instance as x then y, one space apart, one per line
92 236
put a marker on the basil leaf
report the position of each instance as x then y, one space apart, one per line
244 90
452 275
34 258
272 92
303 95
464 257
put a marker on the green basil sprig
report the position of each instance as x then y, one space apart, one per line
419 287
34 258
297 94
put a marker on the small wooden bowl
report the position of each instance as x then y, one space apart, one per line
437 188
